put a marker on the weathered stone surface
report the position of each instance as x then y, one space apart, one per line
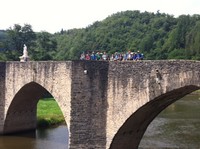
25 83
105 104
89 105
135 96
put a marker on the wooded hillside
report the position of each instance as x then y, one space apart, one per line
157 35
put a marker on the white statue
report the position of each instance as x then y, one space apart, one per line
25 56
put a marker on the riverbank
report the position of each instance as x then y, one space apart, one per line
49 113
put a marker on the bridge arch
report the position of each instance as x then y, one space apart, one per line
101 99
22 111
131 132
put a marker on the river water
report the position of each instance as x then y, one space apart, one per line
178 126
51 138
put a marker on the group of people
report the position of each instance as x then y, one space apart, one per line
117 56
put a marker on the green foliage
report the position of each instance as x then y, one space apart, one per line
158 36
45 47
123 31
177 54
69 44
16 38
193 40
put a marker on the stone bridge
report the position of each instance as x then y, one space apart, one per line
105 104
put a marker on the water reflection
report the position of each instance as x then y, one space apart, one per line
53 138
16 142
178 126
50 138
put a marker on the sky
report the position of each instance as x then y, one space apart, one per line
54 15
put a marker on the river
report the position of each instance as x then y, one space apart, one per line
178 126
51 138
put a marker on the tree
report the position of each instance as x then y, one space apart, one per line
158 36
45 47
193 41
17 37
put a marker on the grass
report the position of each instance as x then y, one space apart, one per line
198 91
49 113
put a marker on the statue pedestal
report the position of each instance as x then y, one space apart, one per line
24 59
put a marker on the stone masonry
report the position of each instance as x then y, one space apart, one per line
105 104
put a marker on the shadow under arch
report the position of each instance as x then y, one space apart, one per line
22 112
131 132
